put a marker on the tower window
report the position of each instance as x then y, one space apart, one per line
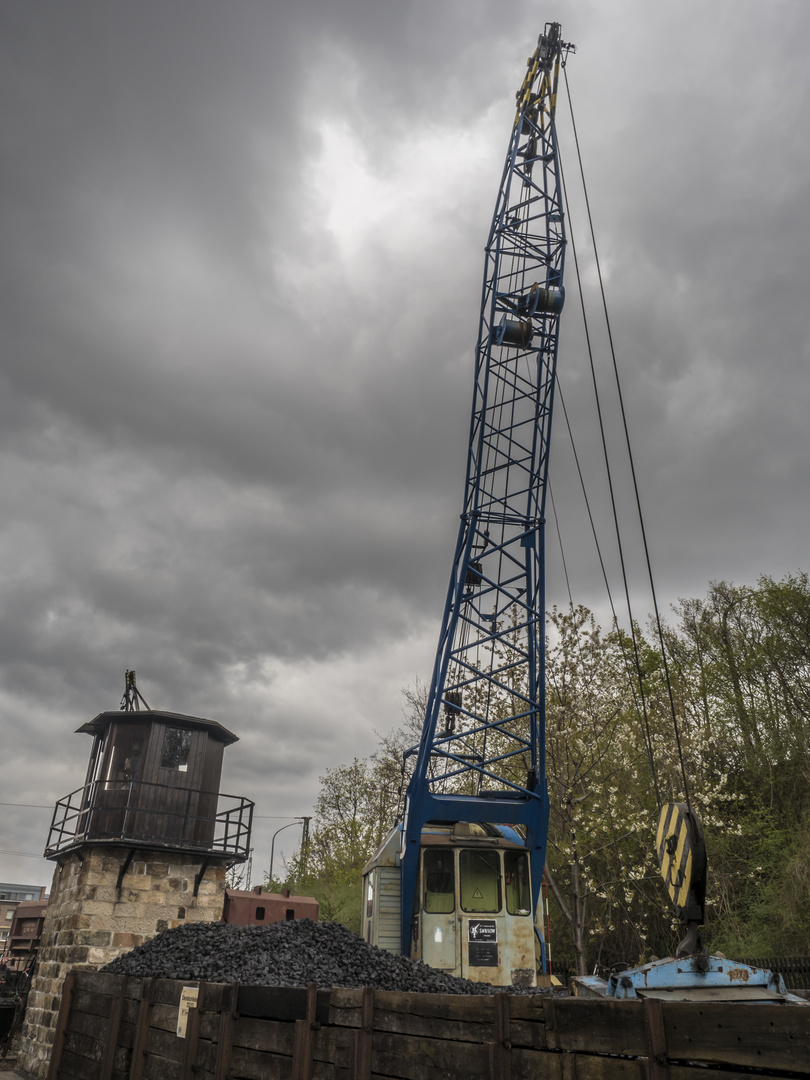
176 746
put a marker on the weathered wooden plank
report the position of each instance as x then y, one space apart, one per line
324 1070
342 1048
213 997
280 1002
160 1068
531 1006
209 1025
111 1037
103 982
164 1044
544 1065
697 1072
126 1034
63 1075
84 1046
77 1068
595 1027
403 1023
121 1063
248 1064
273 1036
345 1006
323 1045
86 1024
206 1059
407 1057
164 1017
168 991
754 1036
131 1008
89 1001
531 1034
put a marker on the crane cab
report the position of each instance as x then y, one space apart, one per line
473 917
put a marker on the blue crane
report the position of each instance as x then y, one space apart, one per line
481 756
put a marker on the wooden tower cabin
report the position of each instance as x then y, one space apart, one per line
141 847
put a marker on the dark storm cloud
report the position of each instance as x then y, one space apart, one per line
240 250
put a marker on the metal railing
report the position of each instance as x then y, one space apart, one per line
154 815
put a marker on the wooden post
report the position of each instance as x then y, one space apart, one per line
550 1022
61 1025
304 1029
142 1029
192 1034
363 1038
500 1056
113 1027
657 1067
227 1019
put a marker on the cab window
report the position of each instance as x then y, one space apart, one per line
516 877
439 879
480 875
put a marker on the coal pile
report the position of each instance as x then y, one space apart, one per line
284 954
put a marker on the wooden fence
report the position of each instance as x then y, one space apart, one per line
795 970
116 1028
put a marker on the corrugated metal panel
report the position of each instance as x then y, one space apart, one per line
389 893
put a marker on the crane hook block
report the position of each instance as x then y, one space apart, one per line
681 853
515 333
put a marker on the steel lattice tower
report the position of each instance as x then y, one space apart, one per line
481 755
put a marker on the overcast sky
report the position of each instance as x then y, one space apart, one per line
241 255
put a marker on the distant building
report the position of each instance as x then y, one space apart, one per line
10 896
254 907
26 930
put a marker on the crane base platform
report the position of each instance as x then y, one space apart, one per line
700 977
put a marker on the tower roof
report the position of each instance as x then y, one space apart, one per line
102 722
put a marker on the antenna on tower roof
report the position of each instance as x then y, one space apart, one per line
133 698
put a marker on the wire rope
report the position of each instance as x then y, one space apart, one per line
673 711
646 729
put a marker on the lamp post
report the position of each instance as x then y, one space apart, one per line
289 825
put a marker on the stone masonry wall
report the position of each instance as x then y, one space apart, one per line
88 922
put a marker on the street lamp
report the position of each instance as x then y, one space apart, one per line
289 825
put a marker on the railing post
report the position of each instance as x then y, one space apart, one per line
125 824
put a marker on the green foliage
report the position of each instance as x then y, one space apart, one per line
739 664
354 811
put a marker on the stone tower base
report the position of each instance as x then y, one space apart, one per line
89 921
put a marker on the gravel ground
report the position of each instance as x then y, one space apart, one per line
285 954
